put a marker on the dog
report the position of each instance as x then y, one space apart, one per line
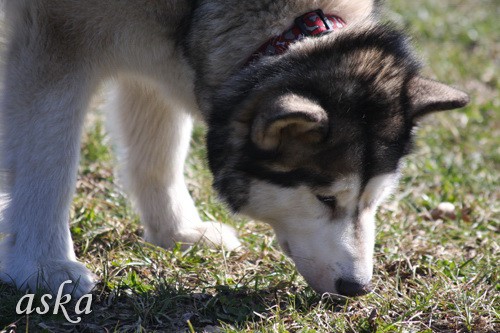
310 107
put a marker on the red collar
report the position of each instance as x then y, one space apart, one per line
314 23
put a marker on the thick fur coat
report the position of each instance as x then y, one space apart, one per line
309 141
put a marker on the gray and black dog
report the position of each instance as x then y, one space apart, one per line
310 106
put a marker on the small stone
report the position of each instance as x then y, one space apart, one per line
212 329
444 210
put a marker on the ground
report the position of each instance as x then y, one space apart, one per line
432 273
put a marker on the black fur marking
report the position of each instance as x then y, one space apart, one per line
370 129
292 178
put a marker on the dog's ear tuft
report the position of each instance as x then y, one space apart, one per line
288 117
427 96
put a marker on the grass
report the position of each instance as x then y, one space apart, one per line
431 275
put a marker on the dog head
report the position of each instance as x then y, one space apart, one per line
311 143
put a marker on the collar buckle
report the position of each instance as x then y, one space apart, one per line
309 23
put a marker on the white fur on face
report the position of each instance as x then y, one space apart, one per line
325 245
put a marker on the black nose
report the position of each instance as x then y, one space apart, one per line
352 288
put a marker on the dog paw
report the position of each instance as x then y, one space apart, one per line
217 235
212 234
49 276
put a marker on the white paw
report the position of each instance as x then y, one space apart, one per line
212 234
48 275
216 234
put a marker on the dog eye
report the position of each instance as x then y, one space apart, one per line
329 201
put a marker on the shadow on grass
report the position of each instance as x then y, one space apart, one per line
164 309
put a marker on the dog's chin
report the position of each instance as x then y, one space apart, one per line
339 289
324 288
323 280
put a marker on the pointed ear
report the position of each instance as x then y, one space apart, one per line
427 96
288 117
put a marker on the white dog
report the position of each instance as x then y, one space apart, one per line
310 105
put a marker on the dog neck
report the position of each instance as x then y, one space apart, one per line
311 24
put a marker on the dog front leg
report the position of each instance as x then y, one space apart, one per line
43 107
155 133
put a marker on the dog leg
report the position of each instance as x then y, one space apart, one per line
156 134
44 102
